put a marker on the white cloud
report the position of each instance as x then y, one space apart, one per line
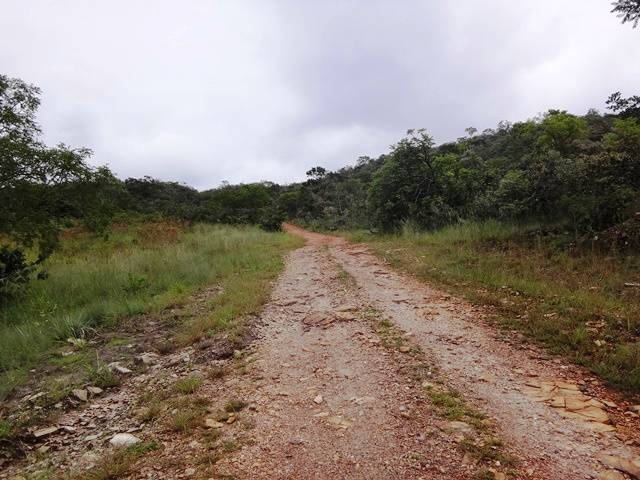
244 90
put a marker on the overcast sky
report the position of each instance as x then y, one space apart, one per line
205 91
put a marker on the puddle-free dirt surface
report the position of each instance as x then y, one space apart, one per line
513 384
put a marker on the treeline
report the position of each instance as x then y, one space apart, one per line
582 172
579 172
151 198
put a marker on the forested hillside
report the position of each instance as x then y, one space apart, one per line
582 172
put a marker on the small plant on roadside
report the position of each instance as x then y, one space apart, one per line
216 372
6 429
57 388
141 448
234 406
210 437
149 413
230 445
101 376
484 474
119 463
486 449
188 385
118 342
208 459
187 412
185 420
165 347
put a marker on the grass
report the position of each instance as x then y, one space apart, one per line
188 385
101 376
119 463
6 428
487 449
452 406
217 372
233 406
150 413
572 300
230 445
185 420
93 282
187 412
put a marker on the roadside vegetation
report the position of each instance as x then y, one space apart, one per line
583 303
93 282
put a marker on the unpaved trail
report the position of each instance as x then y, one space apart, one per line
328 401
491 373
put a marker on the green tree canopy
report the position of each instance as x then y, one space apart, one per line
39 186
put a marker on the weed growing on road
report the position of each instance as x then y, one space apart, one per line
188 385
484 445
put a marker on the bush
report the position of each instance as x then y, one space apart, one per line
14 272
272 218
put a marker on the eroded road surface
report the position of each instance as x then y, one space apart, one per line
333 401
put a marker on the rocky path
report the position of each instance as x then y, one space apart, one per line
539 404
328 400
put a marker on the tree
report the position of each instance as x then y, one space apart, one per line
628 11
316 173
405 179
39 186
625 107
233 204
560 131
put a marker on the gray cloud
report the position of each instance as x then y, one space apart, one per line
205 91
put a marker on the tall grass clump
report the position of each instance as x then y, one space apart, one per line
93 282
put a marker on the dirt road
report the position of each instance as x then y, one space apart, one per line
359 372
331 402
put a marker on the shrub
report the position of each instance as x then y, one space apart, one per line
15 271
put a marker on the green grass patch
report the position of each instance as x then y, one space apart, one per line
188 385
451 405
93 282
572 300
6 429
118 342
101 376
119 463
